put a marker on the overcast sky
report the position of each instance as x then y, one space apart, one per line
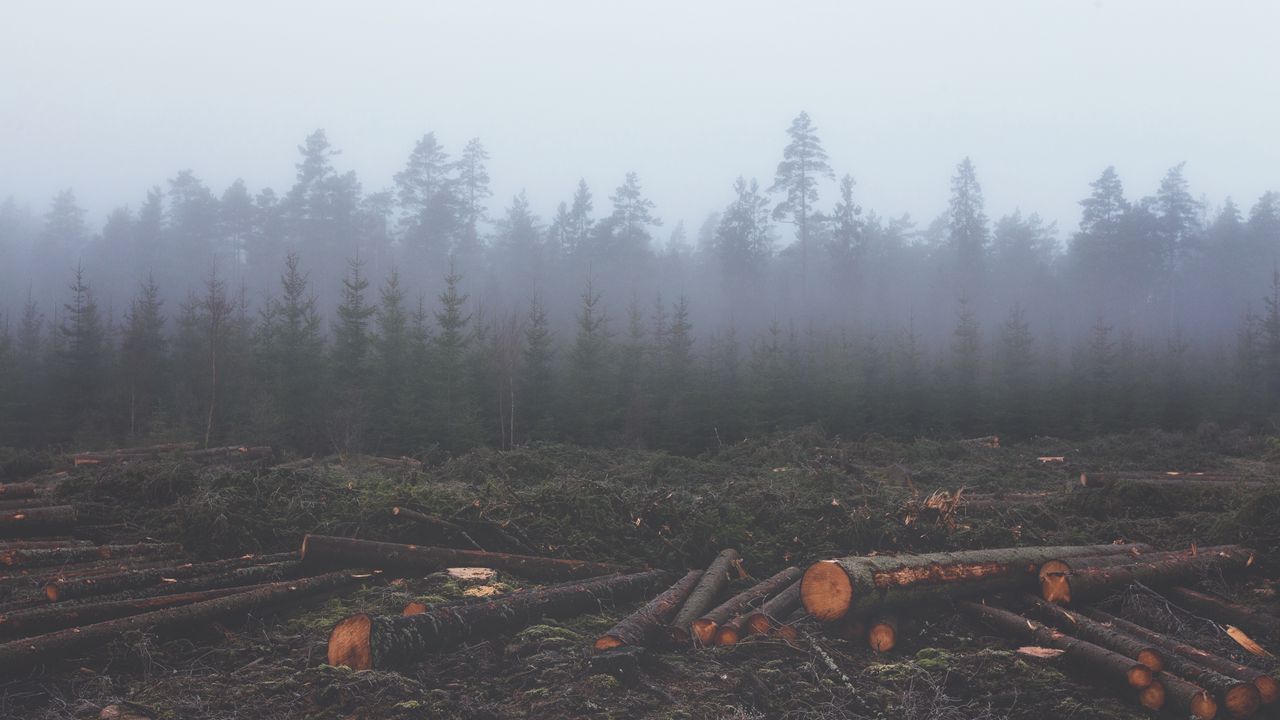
112 97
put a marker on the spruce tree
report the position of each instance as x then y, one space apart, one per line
537 375
804 164
291 360
392 385
144 367
455 423
590 363
82 365
350 361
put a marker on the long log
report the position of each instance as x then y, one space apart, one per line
1226 612
252 575
36 557
1053 574
324 550
644 625
25 503
439 524
1240 696
774 611
704 595
832 588
1085 655
1198 482
69 589
48 618
1083 584
363 641
1186 699
16 491
40 649
43 543
1097 633
36 520
1106 479
704 628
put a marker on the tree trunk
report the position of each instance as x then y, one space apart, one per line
444 527
36 557
775 611
363 642
1053 574
29 652
1097 633
1087 583
38 577
643 626
71 589
832 588
1226 612
255 575
1186 699
43 544
704 628
335 551
704 595
882 632
1191 663
48 618
1085 655
16 491
1198 482
36 520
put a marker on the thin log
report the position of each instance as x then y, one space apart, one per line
704 628
832 588
1085 655
882 632
1226 612
789 630
775 611
1198 482
705 593
69 589
1241 697
36 557
1053 574
363 642
1186 699
324 550
24 503
36 520
48 618
644 625
15 491
1097 633
29 652
1086 583
253 575
44 543
37 577
444 527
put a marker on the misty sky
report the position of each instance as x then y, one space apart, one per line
113 97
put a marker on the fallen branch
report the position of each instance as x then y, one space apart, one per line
56 617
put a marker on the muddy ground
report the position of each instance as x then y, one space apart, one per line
783 499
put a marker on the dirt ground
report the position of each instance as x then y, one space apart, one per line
783 499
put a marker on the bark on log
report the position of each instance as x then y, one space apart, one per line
832 588
1238 695
882 632
1085 655
1198 482
24 503
1186 699
1053 574
644 625
324 550
36 520
16 491
704 628
36 557
44 543
704 595
69 589
363 642
444 527
775 611
1097 633
789 630
24 623
1226 612
253 575
29 652
1083 584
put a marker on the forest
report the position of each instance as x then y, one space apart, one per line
421 318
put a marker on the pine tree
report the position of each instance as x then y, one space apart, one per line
803 164
537 375
82 366
350 360
632 217
144 366
744 237
968 226
473 189
1017 375
428 201
456 419
590 365
291 355
392 384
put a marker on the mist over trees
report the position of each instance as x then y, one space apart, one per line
427 316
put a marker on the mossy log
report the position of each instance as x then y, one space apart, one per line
439 524
705 594
774 611
48 618
1082 584
1227 612
36 557
363 641
832 588
18 491
1052 574
324 550
134 579
34 651
1084 655
21 522
644 625
704 628
882 631
1097 633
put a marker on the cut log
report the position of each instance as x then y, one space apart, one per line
36 557
1053 574
439 524
253 575
704 628
644 625
1097 633
230 454
37 577
363 642
882 632
1088 583
324 550
33 651
1152 697
44 543
1240 696
704 595
789 630
25 503
69 589
1197 482
1085 655
24 623
16 491
1225 612
775 611
832 588
1186 699
36 520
